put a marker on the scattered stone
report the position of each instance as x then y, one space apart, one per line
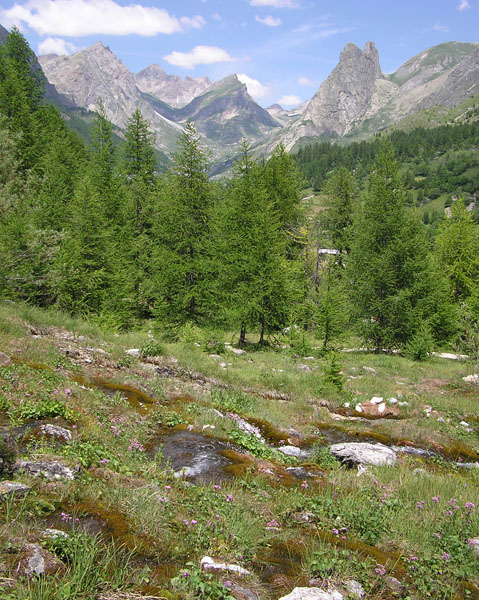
50 469
55 533
299 472
421 472
355 589
215 356
464 424
35 560
364 453
135 352
369 370
471 379
377 408
303 368
4 359
237 351
240 593
392 400
56 432
404 403
208 564
303 517
308 358
311 593
377 400
473 543
243 425
293 451
450 355
394 585
12 488
223 365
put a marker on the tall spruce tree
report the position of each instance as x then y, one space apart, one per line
253 284
339 215
181 233
393 287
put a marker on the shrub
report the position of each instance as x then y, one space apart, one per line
152 348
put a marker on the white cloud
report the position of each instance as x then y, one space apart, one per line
88 17
255 88
307 82
216 17
54 45
463 5
200 55
275 3
438 27
289 100
269 21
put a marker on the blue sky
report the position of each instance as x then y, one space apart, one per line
282 49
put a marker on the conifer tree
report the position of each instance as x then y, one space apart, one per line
339 216
253 281
392 285
181 233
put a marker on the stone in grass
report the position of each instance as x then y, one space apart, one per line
293 451
12 488
355 589
54 533
239 592
55 432
35 560
303 368
473 543
312 593
472 378
394 585
4 359
50 469
363 453
208 564
135 352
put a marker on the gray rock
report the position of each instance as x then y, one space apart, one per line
50 469
208 564
35 560
293 451
237 351
4 359
420 472
12 488
394 585
54 533
135 352
310 593
303 368
364 453
355 589
473 543
369 369
56 432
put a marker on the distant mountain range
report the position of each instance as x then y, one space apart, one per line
354 102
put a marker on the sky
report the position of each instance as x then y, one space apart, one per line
281 49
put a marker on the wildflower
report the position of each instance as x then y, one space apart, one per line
68 392
27 394
55 392
194 521
273 523
469 506
186 574
229 497
445 556
335 531
167 487
186 522
437 535
436 498
420 504
380 570
304 485
104 461
75 426
216 487
135 445
116 430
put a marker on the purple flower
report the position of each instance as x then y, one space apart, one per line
335 531
469 506
380 570
229 497
436 498
194 521
104 461
445 556
437 535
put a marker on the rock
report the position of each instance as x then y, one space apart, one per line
377 400
50 469
355 589
4 359
300 472
303 517
12 488
392 400
243 425
240 593
35 560
236 351
54 533
378 408
364 453
293 451
215 356
55 432
471 379
473 543
135 352
369 370
303 368
311 593
394 585
208 564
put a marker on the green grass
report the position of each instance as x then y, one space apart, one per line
153 526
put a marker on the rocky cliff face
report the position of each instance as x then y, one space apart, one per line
170 88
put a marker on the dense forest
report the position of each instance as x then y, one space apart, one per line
94 229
